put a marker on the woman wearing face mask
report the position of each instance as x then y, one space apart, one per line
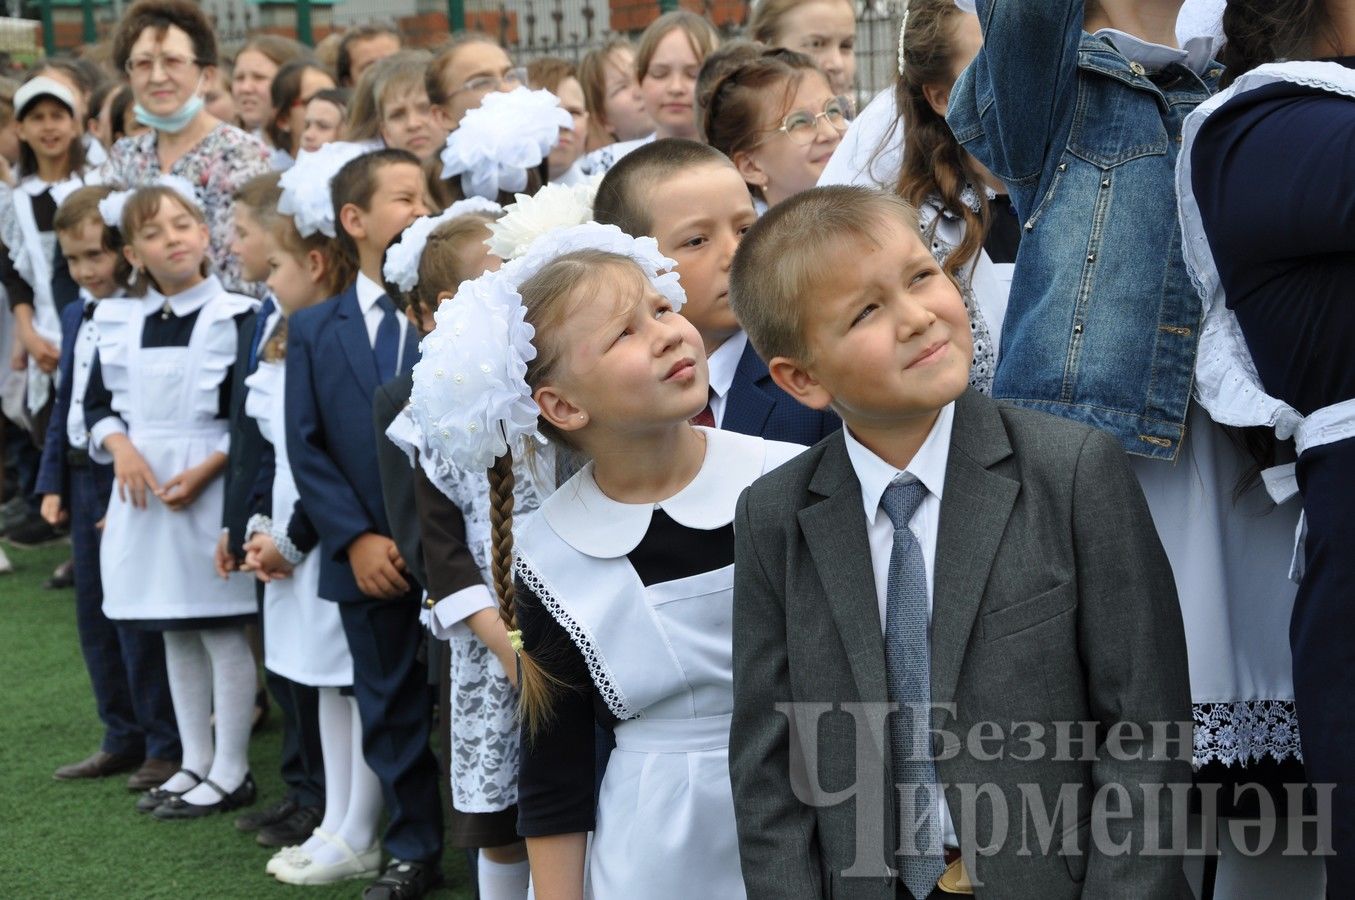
169 52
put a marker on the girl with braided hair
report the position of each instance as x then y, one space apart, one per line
465 521
618 590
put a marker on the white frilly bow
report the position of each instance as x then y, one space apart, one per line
112 206
402 259
553 207
305 186
498 141
470 396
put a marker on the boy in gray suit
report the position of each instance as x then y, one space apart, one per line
991 571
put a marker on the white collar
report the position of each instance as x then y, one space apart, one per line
368 293
598 526
1196 54
927 466
34 186
724 362
184 302
89 299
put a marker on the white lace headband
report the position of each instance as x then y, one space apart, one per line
470 398
402 259
903 30
112 206
501 139
306 195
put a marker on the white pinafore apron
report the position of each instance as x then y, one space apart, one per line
156 563
32 259
303 636
662 658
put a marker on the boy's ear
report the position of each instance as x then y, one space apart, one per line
351 218
750 170
791 376
557 409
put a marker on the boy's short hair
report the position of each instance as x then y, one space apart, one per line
623 195
356 183
785 259
343 64
260 195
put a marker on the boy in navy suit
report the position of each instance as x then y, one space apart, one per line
126 665
990 571
691 199
338 353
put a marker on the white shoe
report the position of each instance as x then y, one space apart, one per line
285 855
6 567
304 870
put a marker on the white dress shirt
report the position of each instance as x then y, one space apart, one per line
723 363
929 467
368 293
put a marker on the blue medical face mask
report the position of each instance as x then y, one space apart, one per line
176 121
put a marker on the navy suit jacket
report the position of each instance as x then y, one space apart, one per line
756 406
331 444
54 473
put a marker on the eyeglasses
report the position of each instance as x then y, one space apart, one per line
802 126
173 66
483 84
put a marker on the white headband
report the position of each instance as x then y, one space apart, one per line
501 139
306 195
112 206
402 259
470 398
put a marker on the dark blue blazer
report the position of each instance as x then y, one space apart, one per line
331 445
756 406
54 473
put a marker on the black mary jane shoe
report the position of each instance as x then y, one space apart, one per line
404 880
156 797
179 808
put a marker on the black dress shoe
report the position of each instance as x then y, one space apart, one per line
404 880
178 808
269 815
293 830
153 799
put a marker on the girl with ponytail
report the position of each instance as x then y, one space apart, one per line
617 591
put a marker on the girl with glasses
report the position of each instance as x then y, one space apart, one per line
776 117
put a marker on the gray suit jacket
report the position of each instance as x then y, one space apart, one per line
1053 603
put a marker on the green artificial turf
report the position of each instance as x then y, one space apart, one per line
85 839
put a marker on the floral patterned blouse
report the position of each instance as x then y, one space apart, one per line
218 166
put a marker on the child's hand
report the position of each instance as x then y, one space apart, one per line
181 490
223 560
262 556
133 473
51 510
377 566
43 351
18 358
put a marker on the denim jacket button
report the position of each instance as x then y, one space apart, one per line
1137 68
1105 183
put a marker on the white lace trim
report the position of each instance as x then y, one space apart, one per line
597 664
1243 732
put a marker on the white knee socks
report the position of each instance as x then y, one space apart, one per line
363 812
502 881
233 680
336 738
190 687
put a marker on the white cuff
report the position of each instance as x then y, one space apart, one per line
224 445
102 430
452 610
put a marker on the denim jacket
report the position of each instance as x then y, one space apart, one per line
1103 321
